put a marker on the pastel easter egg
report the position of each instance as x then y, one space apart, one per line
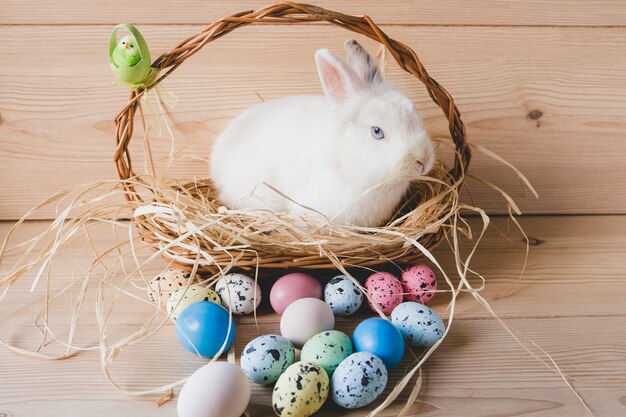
419 324
327 349
218 389
301 390
304 318
358 380
384 290
342 295
239 293
380 337
205 328
419 283
265 358
163 285
185 296
292 287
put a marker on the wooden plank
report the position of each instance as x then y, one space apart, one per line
549 100
569 306
420 12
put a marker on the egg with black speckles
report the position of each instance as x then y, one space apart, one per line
419 324
358 380
185 296
239 293
384 290
419 282
327 349
163 285
265 358
301 390
343 296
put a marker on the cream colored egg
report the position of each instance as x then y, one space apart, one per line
183 297
219 389
301 390
168 281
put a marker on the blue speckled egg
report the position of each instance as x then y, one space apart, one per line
420 326
327 349
266 357
343 296
358 380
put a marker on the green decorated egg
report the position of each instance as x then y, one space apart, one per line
327 349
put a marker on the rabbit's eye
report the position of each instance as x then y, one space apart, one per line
377 132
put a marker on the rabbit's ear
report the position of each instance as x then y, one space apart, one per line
362 63
338 80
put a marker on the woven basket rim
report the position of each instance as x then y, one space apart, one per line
291 13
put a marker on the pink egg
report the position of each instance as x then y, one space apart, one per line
304 318
385 290
419 283
292 287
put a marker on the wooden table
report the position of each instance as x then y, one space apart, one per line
571 303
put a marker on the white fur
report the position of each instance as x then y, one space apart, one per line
319 151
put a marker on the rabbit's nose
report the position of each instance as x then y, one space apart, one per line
419 165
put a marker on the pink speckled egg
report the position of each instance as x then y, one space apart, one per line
419 283
292 287
385 290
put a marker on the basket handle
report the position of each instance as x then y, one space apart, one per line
289 13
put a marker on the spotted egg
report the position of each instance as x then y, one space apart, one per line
419 283
239 293
185 296
327 349
384 290
163 285
265 358
358 380
419 324
342 295
301 390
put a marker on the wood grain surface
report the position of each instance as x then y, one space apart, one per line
551 100
570 303
405 12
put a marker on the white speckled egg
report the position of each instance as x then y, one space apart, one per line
183 297
265 358
358 380
420 326
301 390
343 296
327 349
239 293
163 285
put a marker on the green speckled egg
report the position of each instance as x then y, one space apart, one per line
183 297
301 390
327 349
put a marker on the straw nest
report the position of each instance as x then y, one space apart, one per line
186 215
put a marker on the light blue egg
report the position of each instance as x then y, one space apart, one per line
266 357
343 296
358 380
420 326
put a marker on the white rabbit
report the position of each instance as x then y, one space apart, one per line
349 155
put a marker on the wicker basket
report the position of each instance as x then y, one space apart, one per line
363 251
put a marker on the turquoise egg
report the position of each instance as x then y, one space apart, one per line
327 349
